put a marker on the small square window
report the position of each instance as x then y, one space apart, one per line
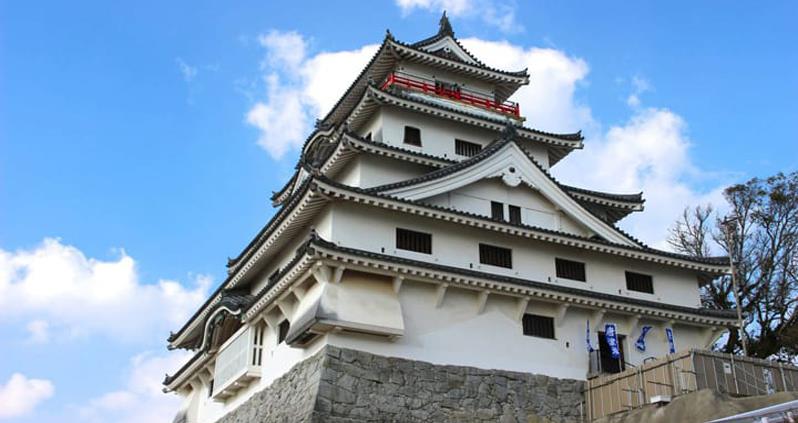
496 210
496 256
540 326
515 214
639 282
412 136
568 269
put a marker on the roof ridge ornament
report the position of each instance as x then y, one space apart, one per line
444 26
510 132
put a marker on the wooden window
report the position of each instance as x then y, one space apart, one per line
639 282
465 148
497 210
419 242
515 214
495 256
568 269
412 136
282 331
540 326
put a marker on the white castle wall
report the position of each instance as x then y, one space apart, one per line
457 245
437 135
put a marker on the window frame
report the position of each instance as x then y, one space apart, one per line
649 281
510 209
495 207
558 260
413 233
487 251
461 147
409 129
527 326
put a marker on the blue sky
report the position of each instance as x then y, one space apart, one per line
139 145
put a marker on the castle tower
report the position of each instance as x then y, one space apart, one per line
424 265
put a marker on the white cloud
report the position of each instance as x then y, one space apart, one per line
20 395
189 72
649 153
39 331
299 88
69 294
141 399
639 86
495 13
549 101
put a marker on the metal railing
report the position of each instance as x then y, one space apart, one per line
450 91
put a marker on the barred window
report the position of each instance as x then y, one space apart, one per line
419 242
465 148
497 210
495 256
568 269
412 136
515 214
639 282
540 326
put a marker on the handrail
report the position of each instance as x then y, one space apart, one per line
452 91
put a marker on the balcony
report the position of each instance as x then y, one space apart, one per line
238 362
452 92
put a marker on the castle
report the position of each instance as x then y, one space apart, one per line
424 265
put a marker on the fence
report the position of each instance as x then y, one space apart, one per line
685 372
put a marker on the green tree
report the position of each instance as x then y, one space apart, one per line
764 246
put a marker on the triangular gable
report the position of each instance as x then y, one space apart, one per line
449 48
505 160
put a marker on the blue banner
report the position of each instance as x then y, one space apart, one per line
611 336
587 338
671 344
641 341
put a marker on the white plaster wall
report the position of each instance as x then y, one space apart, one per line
536 210
438 135
455 333
368 170
457 245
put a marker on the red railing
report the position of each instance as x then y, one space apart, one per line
451 91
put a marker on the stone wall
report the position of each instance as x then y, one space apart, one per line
343 386
289 399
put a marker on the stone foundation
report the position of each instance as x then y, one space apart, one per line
342 385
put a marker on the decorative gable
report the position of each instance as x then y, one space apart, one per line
506 162
447 47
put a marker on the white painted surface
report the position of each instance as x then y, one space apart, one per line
456 245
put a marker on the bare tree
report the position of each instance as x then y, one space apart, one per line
764 247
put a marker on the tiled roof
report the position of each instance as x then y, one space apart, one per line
712 261
574 136
632 198
445 30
